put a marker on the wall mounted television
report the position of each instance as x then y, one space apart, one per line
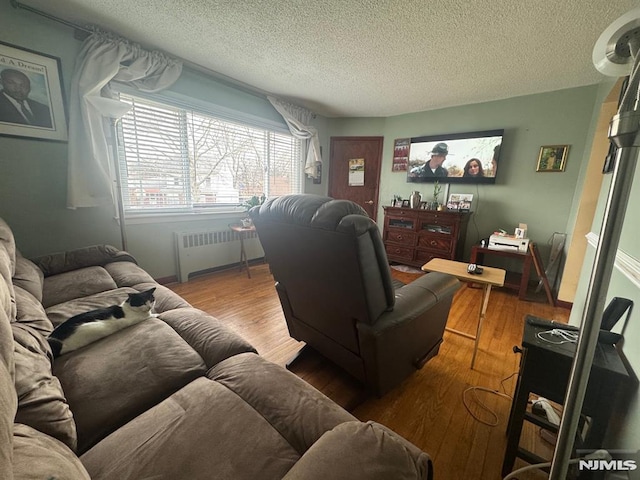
465 158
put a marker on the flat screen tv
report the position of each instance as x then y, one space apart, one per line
469 158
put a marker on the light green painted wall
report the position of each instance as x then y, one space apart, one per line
626 435
521 195
42 223
33 173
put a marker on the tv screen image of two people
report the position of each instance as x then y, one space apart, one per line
457 158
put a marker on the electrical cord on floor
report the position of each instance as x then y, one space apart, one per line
482 405
597 455
505 379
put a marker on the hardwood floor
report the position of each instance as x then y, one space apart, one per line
427 408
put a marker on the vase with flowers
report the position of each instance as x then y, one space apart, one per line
437 188
254 201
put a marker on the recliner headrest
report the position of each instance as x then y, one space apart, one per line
315 211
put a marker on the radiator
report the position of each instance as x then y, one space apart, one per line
203 250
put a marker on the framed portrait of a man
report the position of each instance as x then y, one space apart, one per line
31 95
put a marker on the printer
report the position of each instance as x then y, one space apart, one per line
508 243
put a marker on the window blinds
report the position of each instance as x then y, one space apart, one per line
175 158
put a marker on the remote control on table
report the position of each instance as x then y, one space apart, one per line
474 269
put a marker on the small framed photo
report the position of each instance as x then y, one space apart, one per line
31 99
552 158
406 204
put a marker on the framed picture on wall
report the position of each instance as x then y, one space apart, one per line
31 95
401 148
552 158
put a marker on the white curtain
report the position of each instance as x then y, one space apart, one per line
105 57
298 119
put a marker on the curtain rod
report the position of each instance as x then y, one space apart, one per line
194 66
16 4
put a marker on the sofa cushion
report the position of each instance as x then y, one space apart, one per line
201 432
7 298
111 381
76 284
127 274
37 456
28 276
208 336
93 255
299 412
30 313
367 448
8 247
62 312
41 401
165 299
8 400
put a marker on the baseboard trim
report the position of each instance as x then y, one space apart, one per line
167 280
563 304
174 278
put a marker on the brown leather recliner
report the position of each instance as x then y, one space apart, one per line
337 294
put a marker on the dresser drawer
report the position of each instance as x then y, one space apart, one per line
425 256
414 236
435 242
397 252
394 235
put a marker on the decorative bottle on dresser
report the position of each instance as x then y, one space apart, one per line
414 199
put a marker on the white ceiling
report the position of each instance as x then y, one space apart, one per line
360 58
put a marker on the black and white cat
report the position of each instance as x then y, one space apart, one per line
86 328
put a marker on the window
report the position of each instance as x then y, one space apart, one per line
172 158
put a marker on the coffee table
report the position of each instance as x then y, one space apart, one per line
490 277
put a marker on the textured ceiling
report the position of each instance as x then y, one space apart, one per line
345 58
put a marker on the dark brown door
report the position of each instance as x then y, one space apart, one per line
345 179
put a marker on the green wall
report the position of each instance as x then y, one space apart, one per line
544 201
626 435
33 174
33 181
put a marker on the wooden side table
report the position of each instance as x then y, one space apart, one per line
545 369
513 280
242 231
489 277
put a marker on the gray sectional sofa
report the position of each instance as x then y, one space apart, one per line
174 397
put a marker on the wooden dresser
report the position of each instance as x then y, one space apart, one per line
413 236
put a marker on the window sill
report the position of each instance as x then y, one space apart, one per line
169 217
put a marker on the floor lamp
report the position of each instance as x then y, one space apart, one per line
615 50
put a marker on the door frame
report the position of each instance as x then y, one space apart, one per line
380 140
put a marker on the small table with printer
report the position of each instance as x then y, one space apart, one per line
508 247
